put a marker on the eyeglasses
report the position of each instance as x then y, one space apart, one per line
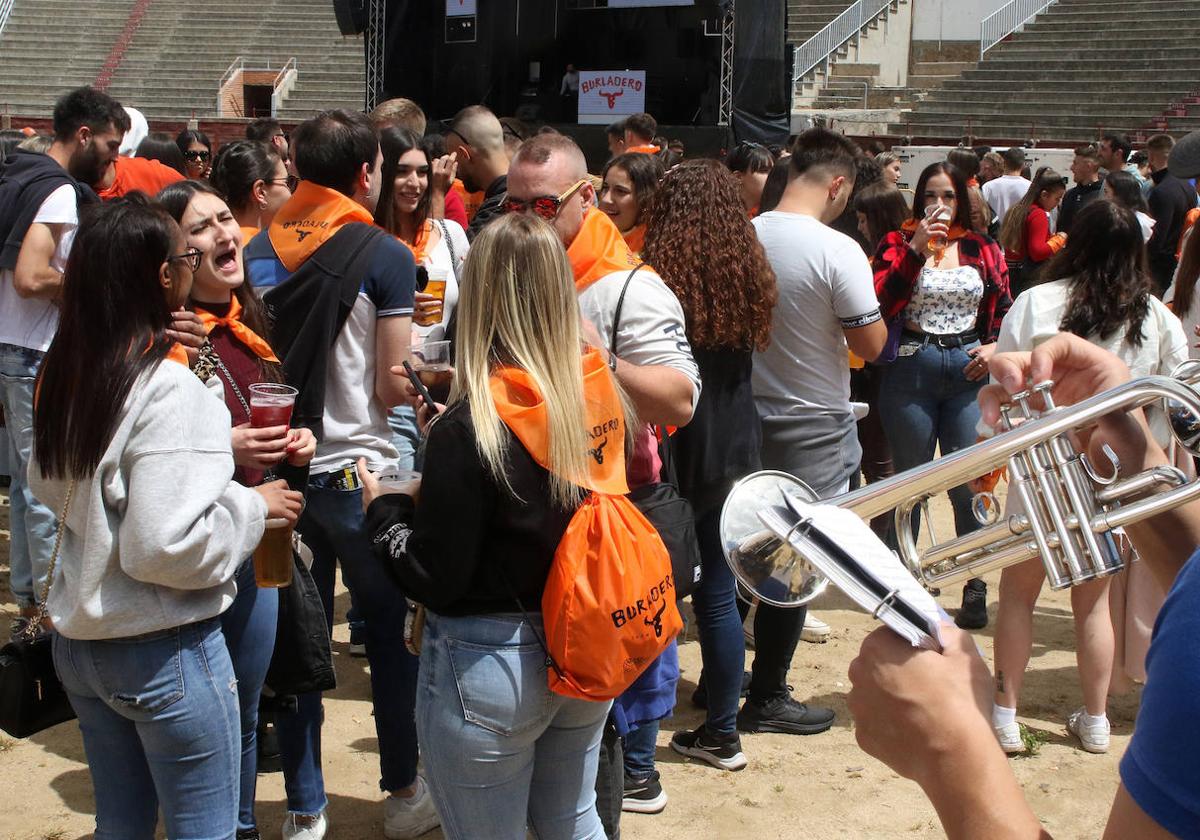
291 182
192 255
545 206
194 155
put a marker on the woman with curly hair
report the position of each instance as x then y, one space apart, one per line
707 253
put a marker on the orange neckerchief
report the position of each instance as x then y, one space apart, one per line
233 322
972 181
956 231
309 218
647 149
521 407
635 238
598 250
248 233
178 354
420 248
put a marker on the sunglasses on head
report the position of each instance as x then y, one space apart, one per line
545 206
192 257
194 155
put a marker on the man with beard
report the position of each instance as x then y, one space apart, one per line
40 196
476 138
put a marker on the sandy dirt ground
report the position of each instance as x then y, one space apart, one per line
821 786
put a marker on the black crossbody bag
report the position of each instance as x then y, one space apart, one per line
670 513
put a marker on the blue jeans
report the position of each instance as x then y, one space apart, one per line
159 718
722 643
638 747
405 436
501 749
926 401
334 527
249 627
32 524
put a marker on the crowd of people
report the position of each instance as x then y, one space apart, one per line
659 330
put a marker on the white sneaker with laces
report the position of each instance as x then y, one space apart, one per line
1093 737
815 630
303 827
404 819
1009 736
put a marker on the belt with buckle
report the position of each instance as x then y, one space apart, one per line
946 340
344 479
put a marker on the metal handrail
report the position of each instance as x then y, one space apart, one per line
6 7
1008 19
841 29
277 93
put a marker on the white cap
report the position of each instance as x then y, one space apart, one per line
138 129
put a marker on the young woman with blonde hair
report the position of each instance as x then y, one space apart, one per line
506 466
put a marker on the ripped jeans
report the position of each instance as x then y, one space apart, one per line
159 717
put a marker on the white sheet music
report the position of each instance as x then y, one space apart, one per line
856 538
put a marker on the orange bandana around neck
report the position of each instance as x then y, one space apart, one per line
309 219
598 250
420 248
233 323
956 231
635 238
178 354
521 407
647 149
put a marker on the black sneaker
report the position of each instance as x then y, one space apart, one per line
643 796
248 834
784 715
700 695
358 641
722 753
973 615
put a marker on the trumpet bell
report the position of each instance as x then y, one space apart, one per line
759 559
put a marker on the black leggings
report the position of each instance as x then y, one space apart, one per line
776 634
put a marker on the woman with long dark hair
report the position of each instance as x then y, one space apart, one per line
1182 296
950 286
1025 232
1124 190
238 355
159 146
1098 288
509 460
253 179
708 255
629 182
197 153
134 454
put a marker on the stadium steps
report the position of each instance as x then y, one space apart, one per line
1081 67
175 60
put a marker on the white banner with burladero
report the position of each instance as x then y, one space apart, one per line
608 95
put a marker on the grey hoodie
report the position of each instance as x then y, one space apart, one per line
154 537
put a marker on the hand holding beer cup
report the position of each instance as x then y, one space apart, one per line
392 480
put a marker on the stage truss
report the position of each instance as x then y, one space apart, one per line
374 45
725 108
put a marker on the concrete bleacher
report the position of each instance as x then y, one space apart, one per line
805 19
175 59
1081 67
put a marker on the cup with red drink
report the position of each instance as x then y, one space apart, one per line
271 404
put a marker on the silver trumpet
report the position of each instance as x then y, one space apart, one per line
1068 507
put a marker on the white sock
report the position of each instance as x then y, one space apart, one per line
1095 720
1003 716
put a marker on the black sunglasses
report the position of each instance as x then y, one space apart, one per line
291 182
192 255
194 155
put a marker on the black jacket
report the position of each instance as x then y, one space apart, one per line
1078 197
490 209
1170 200
470 545
26 180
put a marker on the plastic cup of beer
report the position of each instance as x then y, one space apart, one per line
397 480
938 244
431 361
271 404
436 286
273 557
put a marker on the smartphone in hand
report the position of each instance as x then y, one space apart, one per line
421 390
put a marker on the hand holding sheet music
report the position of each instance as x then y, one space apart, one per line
848 552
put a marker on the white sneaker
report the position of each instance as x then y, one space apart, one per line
1094 738
815 630
1009 736
404 819
297 827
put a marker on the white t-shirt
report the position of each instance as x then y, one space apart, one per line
32 322
651 331
1036 314
1003 192
825 286
438 259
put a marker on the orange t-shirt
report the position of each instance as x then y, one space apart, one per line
471 200
133 174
